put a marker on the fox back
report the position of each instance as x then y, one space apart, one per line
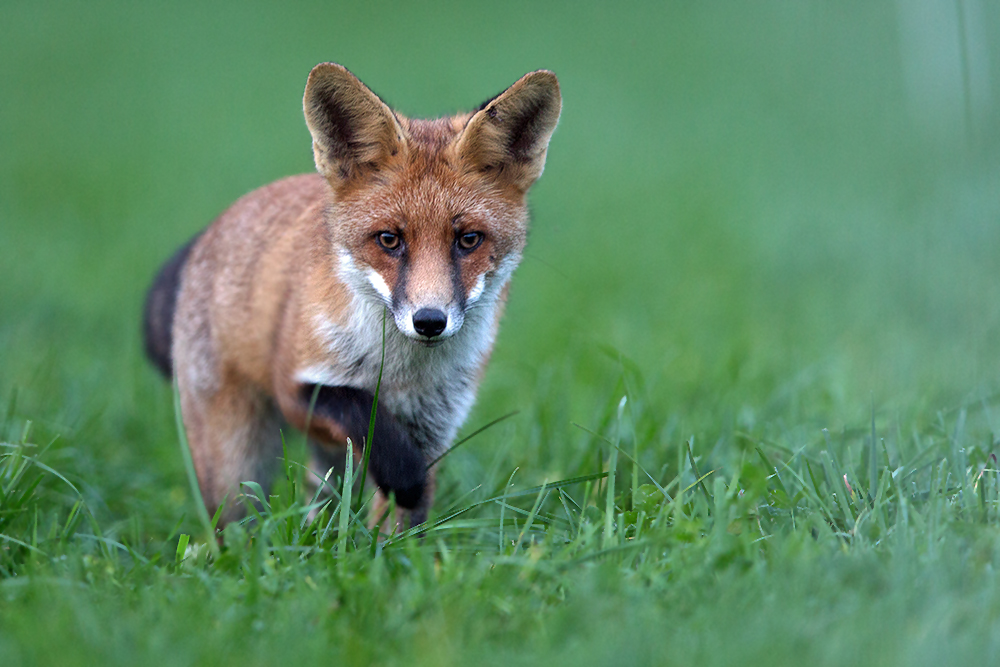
389 267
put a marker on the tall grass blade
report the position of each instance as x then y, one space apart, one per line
542 495
635 463
472 435
697 474
182 544
345 507
367 451
609 502
873 460
503 506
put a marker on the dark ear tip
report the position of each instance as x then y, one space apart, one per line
542 78
329 72
327 67
544 74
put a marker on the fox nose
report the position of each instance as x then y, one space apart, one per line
429 322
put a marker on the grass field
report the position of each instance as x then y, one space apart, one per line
754 346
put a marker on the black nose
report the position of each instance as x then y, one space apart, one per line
429 322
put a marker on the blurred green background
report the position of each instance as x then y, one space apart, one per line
759 218
775 210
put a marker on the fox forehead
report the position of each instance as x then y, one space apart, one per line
425 192
429 212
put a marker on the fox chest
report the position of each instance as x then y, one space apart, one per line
429 390
430 398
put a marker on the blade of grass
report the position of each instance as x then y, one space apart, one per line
770 466
517 494
837 486
609 501
694 468
542 495
635 440
14 540
367 450
471 436
345 505
652 479
182 544
873 460
503 506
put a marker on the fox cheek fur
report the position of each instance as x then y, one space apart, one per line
428 281
277 313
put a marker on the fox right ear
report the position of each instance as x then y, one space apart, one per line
510 133
353 131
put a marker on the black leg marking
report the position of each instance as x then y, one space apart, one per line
396 463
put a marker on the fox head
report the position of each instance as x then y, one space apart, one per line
428 216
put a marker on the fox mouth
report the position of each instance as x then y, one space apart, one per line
429 342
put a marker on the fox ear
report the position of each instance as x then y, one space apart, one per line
353 131
510 133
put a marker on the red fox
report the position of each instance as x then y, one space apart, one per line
411 227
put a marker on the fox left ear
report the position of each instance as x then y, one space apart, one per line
353 130
509 135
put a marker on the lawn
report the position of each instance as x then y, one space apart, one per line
752 353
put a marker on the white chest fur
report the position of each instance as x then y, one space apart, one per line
430 390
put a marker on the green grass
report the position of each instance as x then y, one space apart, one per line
771 230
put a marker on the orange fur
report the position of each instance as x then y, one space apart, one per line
288 288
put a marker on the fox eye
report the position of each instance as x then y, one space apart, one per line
388 240
470 240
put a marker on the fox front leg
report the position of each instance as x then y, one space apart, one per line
234 435
395 462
